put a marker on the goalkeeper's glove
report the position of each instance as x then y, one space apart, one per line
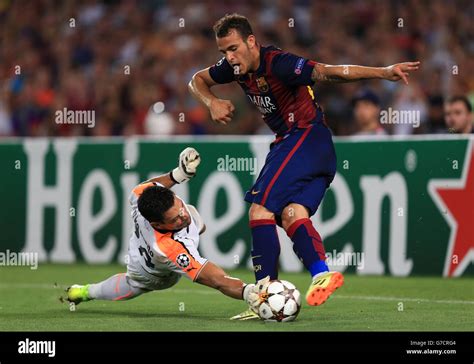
189 160
254 293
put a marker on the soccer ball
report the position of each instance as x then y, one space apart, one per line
282 302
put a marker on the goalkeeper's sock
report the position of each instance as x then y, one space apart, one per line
266 248
115 288
308 246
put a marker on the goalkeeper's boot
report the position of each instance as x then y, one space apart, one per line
246 315
323 286
78 294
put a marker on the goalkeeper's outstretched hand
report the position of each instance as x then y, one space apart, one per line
253 293
189 160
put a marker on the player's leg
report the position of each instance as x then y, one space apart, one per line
311 170
265 250
265 242
287 171
297 170
115 288
307 242
123 286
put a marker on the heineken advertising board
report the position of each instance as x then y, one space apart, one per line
397 206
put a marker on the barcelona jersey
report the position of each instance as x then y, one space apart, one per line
280 88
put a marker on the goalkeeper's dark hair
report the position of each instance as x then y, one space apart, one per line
154 202
233 21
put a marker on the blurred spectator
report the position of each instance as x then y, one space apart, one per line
121 57
5 126
435 124
367 114
458 115
412 99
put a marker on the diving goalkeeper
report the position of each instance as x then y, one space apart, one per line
163 245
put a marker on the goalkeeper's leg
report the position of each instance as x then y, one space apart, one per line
115 288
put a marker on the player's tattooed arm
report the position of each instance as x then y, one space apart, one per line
327 73
350 73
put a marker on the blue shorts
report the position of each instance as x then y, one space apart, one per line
297 169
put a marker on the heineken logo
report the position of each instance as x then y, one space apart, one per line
455 199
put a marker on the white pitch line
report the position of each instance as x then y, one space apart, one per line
27 285
211 292
367 298
401 299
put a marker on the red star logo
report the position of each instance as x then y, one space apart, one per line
455 199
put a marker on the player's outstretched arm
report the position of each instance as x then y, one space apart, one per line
213 276
200 87
350 73
189 160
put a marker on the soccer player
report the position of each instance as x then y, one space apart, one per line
301 163
163 246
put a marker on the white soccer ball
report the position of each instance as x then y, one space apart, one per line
282 302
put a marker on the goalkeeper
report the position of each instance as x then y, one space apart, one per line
163 245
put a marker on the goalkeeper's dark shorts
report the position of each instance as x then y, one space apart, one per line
298 169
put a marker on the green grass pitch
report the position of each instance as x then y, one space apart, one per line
29 302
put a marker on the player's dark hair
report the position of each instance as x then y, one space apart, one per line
233 21
154 202
462 99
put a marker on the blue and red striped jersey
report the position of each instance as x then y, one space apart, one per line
280 88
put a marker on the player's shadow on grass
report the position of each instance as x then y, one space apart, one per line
158 314
94 312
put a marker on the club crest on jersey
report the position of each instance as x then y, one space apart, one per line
262 84
183 260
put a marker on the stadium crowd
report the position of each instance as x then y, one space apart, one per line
130 62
